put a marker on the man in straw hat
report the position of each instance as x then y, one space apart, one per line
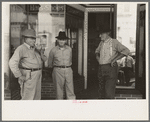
60 59
26 65
107 53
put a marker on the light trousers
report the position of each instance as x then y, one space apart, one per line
63 78
31 88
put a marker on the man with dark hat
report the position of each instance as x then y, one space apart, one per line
26 65
60 59
107 53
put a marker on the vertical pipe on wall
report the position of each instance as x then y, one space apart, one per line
27 16
115 21
137 46
85 46
110 16
6 50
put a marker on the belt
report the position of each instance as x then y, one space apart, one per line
63 66
32 69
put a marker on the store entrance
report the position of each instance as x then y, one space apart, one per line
96 21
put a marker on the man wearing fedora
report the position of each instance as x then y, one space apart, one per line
107 53
26 65
60 59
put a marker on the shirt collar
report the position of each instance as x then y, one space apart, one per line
65 47
28 46
107 40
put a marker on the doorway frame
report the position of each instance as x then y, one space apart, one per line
85 41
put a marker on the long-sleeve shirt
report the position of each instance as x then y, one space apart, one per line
60 57
109 49
25 57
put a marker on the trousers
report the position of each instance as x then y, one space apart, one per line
107 77
128 71
31 88
63 78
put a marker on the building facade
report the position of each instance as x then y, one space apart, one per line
81 22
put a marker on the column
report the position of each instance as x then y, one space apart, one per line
6 49
85 47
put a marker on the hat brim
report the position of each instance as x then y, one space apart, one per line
30 36
61 37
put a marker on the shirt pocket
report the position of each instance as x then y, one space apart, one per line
26 55
58 55
67 55
31 55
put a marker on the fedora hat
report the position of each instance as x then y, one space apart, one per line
29 33
104 30
62 35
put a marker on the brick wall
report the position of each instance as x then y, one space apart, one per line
15 94
7 95
128 96
48 90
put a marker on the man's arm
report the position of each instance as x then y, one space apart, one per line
44 58
122 51
119 56
14 62
97 52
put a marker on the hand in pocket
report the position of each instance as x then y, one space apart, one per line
21 79
28 75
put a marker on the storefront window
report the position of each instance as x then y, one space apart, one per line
126 34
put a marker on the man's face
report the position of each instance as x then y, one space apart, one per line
103 36
61 42
30 41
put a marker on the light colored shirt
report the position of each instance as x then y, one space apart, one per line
127 62
59 57
26 57
106 51
109 49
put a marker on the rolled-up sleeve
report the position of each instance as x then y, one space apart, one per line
14 62
121 48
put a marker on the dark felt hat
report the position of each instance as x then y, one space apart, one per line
62 35
29 33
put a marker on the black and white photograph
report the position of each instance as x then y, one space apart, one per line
75 61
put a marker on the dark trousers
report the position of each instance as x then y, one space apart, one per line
107 77
128 72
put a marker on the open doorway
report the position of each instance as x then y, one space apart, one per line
123 25
96 21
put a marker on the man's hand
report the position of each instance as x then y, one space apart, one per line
97 56
113 63
42 51
22 79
